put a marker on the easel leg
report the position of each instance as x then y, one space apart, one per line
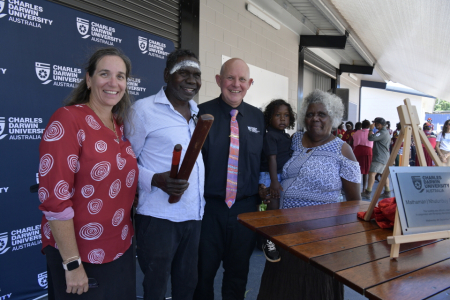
395 248
390 162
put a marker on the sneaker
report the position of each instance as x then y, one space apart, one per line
385 195
270 251
366 195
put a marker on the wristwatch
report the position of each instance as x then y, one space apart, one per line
72 265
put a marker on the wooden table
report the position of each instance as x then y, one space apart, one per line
356 252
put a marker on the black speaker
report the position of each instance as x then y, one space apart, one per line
344 95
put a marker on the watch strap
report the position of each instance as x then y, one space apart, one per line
72 265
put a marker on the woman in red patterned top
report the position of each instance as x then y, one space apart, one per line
87 182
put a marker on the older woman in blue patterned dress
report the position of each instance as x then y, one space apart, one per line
320 167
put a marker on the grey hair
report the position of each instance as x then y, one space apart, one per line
333 105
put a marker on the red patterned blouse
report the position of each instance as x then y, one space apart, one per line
85 172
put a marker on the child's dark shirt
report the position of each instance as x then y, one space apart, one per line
276 142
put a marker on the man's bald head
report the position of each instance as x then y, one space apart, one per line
230 62
234 81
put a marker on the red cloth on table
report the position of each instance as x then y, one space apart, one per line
384 214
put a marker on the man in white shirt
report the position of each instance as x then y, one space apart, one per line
168 234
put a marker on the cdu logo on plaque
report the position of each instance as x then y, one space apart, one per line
2 127
417 182
142 44
42 279
43 72
3 242
2 6
83 27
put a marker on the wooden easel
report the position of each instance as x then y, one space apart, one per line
410 123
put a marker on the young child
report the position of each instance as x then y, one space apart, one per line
278 116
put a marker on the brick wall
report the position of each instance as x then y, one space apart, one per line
227 28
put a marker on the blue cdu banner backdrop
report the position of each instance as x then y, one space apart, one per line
44 47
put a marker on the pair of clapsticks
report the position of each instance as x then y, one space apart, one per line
195 146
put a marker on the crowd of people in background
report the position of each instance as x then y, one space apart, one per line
373 144
101 154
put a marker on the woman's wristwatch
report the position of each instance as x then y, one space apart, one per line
72 263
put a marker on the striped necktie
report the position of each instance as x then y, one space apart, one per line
233 158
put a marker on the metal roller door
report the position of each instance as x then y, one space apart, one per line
155 16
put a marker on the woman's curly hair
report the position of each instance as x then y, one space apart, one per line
333 104
270 109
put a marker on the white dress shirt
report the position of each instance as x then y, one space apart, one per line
156 127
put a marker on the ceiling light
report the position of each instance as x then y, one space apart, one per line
263 16
352 76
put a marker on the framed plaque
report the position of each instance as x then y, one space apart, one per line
423 198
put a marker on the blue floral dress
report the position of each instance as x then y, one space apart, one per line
313 175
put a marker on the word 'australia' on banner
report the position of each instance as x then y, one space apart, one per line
24 13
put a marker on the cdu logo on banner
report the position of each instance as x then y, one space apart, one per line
43 72
152 47
3 242
2 6
83 27
2 127
142 44
42 280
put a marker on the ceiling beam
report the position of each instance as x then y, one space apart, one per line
355 69
323 41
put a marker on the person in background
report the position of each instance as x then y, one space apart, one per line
278 116
349 132
412 154
432 139
380 156
374 130
430 121
443 144
362 148
320 167
232 155
358 126
340 131
395 135
87 183
391 132
167 234
388 128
